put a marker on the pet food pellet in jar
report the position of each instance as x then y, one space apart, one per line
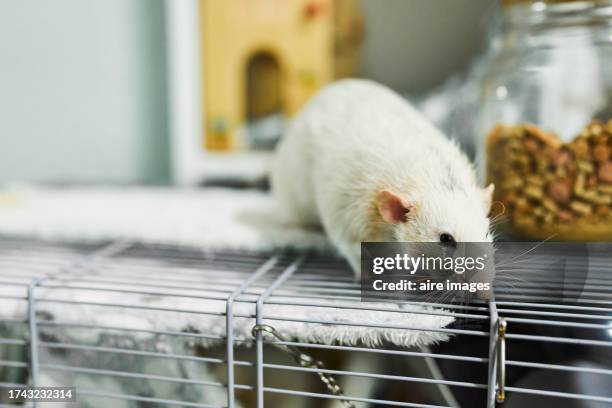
531 145
603 210
601 153
580 148
605 172
560 191
585 166
580 207
533 192
550 205
562 157
565 215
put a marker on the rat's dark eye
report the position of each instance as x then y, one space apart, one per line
447 239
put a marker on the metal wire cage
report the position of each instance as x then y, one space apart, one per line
519 350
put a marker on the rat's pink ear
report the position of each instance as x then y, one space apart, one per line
487 197
393 208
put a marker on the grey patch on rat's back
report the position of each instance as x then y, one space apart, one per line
450 180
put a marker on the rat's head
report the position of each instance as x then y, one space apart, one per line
445 216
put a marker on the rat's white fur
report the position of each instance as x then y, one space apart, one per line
356 139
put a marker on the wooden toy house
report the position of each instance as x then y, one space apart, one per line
267 57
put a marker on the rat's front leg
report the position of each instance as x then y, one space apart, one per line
351 250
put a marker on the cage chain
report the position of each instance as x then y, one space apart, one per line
304 360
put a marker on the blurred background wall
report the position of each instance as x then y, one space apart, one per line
83 93
413 45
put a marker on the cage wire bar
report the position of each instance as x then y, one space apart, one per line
259 321
229 334
492 362
33 274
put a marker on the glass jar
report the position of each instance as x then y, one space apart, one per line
545 120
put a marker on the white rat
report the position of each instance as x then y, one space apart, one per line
364 164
